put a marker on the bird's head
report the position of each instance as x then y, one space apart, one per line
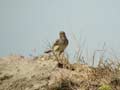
62 35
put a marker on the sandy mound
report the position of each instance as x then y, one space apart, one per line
46 73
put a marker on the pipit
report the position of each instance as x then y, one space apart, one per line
60 45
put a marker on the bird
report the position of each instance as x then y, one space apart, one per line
60 44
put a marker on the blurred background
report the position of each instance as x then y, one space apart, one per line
28 26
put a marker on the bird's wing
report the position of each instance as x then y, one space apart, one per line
56 45
56 42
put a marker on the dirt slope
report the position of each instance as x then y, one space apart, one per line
21 73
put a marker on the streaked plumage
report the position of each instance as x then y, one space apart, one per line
60 45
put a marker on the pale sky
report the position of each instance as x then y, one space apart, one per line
28 24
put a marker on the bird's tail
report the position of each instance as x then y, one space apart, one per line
48 51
